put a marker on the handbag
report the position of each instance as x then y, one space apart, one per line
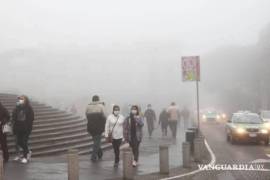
7 129
109 138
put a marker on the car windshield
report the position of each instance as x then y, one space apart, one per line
266 114
247 119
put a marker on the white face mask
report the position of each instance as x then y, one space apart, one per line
134 112
116 113
21 101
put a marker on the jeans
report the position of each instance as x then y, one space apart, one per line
97 151
134 144
173 127
116 146
3 142
22 139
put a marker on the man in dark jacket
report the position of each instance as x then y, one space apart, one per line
23 118
95 113
163 121
4 118
150 116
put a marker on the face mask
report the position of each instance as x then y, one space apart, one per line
134 112
21 101
116 113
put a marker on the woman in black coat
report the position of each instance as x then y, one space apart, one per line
4 118
23 118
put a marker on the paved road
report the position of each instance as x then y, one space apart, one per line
227 153
55 168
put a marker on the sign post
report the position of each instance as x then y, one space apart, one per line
191 72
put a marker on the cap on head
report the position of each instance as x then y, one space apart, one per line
173 104
95 98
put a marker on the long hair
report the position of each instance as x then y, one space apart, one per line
27 101
135 107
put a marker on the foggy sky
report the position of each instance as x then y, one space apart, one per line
126 51
199 25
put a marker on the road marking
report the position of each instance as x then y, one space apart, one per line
212 162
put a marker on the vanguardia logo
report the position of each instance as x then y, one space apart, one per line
233 167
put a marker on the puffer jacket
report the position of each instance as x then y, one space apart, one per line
96 119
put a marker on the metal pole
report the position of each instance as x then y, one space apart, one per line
198 105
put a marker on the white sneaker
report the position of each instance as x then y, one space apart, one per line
134 163
24 161
17 158
29 155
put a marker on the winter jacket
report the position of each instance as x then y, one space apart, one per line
163 118
139 128
150 115
95 114
174 113
23 118
115 124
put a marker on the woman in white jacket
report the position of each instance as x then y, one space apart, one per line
114 128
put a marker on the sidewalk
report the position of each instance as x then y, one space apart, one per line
55 168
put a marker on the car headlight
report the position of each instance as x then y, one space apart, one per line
224 116
240 130
264 131
267 125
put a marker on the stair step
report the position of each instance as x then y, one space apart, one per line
56 124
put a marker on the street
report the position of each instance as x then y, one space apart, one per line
226 153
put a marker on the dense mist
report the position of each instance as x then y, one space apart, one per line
63 52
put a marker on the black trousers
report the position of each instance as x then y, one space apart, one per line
164 128
150 125
3 142
116 147
22 138
134 144
173 127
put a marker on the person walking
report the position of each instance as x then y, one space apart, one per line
186 115
4 118
150 117
174 116
114 132
163 121
23 118
95 114
133 132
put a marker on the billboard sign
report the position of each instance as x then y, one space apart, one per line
191 68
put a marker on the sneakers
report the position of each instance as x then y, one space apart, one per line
134 163
24 161
17 158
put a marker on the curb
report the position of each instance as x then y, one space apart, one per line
212 162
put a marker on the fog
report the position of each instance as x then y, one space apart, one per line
63 52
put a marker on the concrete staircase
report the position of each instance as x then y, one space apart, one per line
54 131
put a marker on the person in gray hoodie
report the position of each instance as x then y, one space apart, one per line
95 114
